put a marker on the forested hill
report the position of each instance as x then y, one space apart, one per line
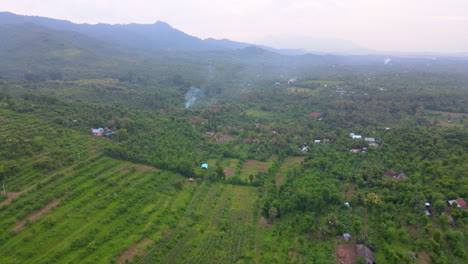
149 37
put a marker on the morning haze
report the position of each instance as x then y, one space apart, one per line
430 26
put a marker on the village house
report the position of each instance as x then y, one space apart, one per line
204 166
349 253
304 149
339 91
354 136
346 236
97 131
461 204
371 141
394 174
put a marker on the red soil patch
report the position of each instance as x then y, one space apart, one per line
141 168
136 249
346 254
350 193
35 215
259 166
12 195
229 172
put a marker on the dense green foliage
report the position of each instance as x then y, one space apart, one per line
274 131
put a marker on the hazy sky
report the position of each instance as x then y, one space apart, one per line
389 25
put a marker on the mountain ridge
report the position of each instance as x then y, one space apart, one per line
159 36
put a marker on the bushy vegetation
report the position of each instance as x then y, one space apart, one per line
282 185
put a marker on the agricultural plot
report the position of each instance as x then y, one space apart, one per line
107 211
253 167
448 119
299 90
230 167
288 163
34 148
100 213
218 227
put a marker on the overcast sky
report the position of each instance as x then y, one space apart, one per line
385 25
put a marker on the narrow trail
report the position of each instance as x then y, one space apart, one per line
33 216
12 195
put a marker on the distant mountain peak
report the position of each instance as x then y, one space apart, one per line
163 24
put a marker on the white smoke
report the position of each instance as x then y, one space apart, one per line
192 95
387 61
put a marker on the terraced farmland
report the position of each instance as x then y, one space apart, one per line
97 211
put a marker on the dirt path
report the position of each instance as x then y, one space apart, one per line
35 215
12 195
134 250
350 193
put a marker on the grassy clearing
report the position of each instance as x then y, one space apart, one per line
252 167
230 167
288 163
447 119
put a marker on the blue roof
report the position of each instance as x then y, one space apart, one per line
204 166
100 128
